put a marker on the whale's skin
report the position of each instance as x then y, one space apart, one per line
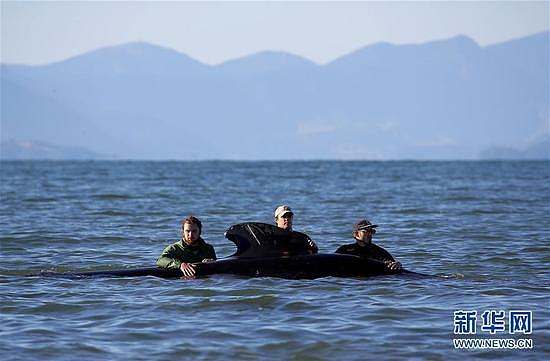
131 272
296 267
290 267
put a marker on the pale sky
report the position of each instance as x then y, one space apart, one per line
212 32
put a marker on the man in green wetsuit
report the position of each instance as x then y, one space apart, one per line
363 246
191 248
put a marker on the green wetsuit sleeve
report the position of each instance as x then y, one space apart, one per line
168 258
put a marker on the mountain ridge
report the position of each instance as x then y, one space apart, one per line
448 98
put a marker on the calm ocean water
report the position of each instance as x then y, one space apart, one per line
483 225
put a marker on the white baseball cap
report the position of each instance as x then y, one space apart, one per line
282 210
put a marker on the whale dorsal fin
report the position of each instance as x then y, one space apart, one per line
255 239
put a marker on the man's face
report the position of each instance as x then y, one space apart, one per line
190 233
284 221
365 235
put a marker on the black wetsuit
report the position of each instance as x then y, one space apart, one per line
370 250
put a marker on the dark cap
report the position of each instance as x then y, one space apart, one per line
363 224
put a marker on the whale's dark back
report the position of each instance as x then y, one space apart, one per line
255 239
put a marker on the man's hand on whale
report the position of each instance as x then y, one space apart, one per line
188 269
393 265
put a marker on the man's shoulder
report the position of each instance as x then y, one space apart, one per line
376 247
173 247
204 243
381 252
176 244
300 235
346 248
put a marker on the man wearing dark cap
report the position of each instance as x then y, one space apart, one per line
283 219
363 246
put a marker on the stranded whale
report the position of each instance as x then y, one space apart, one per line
263 250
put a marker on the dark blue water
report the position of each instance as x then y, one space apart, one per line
485 226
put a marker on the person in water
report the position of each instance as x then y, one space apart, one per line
363 231
191 248
283 219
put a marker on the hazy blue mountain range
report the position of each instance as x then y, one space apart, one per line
447 99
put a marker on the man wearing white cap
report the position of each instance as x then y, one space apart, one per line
283 219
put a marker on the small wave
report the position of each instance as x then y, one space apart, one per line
414 211
296 306
534 249
111 213
508 258
499 291
451 275
481 211
23 240
260 302
57 308
39 200
111 196
461 199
